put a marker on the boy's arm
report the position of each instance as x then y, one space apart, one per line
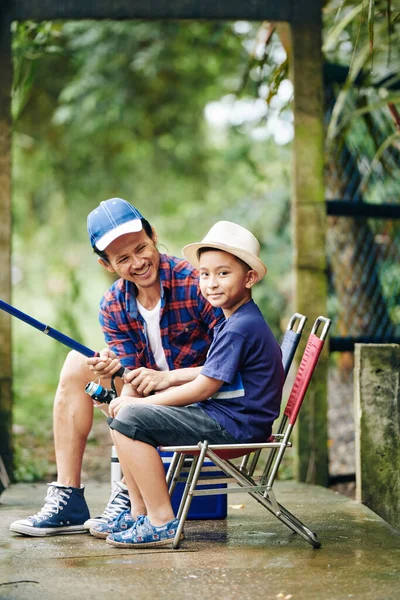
195 391
146 380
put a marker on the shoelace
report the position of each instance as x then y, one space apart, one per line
120 517
54 498
139 521
119 501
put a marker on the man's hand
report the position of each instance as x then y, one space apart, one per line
104 365
145 381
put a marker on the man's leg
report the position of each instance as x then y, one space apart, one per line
65 509
72 419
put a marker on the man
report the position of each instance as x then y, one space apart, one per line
155 321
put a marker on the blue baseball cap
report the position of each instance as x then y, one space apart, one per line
111 219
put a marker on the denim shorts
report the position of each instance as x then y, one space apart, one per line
169 425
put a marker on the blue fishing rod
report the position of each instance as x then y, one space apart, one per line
94 389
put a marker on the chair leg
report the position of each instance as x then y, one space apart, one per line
188 492
172 468
267 499
187 486
286 517
175 468
302 529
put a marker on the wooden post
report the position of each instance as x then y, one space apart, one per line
5 240
309 226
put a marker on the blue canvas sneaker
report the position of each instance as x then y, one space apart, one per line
65 511
123 522
118 503
144 535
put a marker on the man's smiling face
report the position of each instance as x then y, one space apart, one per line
134 257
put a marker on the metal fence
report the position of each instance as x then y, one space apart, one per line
363 206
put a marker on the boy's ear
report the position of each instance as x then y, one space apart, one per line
155 236
106 265
251 278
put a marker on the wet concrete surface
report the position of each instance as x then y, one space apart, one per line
250 554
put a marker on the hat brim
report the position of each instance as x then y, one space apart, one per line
132 226
190 252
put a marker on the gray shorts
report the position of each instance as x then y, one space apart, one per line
169 425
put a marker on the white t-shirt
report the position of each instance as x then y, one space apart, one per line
152 318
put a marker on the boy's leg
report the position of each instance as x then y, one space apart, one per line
128 514
138 430
138 506
138 460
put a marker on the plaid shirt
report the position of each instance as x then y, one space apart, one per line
186 319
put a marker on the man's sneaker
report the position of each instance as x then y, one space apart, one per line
65 511
144 535
119 502
123 522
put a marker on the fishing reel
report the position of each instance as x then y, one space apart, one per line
99 393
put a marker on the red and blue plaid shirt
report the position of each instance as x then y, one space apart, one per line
186 319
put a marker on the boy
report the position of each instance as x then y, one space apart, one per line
235 398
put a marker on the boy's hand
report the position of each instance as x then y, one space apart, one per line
115 405
104 365
145 381
102 406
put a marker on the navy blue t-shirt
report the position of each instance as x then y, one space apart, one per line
245 355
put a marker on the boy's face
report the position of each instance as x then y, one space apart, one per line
134 257
225 282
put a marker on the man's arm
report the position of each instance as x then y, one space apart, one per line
195 391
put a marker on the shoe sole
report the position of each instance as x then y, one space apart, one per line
45 532
142 544
93 523
98 534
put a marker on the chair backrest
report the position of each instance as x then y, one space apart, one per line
291 340
304 373
289 344
308 363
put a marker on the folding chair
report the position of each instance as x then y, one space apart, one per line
222 455
289 344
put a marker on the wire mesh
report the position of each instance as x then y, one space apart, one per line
364 253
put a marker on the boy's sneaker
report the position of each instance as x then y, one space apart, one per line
144 535
123 522
119 502
65 511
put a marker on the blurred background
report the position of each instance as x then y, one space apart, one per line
192 123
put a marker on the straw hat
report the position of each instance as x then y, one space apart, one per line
232 238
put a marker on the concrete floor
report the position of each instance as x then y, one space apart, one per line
248 555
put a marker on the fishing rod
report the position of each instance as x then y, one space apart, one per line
94 389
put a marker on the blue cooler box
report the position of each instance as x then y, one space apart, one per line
201 507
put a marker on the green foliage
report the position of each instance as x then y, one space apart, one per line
28 467
106 109
121 109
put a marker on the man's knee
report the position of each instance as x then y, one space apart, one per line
74 376
75 366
